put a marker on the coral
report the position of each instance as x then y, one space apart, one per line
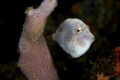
35 60
104 65
102 77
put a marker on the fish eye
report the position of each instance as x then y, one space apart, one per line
78 30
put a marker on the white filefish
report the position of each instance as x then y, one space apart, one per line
74 36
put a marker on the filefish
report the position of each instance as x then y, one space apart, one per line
74 37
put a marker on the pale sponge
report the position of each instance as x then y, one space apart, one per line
35 60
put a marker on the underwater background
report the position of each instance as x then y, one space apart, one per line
103 17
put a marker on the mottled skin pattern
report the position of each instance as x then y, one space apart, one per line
74 37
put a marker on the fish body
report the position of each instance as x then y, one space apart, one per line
74 37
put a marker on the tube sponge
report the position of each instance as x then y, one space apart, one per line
35 59
36 19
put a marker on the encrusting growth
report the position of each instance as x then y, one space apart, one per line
35 60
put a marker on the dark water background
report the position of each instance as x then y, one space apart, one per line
103 17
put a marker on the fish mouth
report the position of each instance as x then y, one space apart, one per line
83 43
93 39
